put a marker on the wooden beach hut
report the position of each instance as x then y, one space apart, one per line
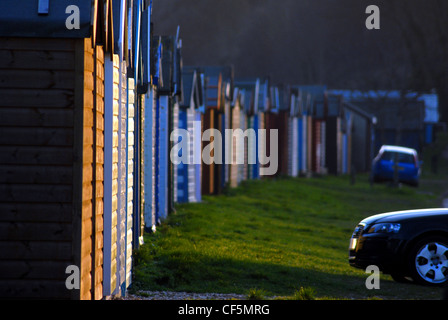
272 115
189 116
52 148
251 87
334 134
120 224
237 151
218 82
316 126
293 132
280 121
166 111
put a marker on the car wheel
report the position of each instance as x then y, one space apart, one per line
428 261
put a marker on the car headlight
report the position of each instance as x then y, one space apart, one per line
385 228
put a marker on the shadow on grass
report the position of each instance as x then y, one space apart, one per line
198 273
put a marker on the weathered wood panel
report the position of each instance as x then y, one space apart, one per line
37 59
191 165
129 180
14 158
208 170
38 136
234 167
36 98
37 289
37 79
112 100
41 79
149 161
36 117
35 44
99 175
91 256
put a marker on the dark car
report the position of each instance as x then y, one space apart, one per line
405 244
408 167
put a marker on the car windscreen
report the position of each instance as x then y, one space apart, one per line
401 157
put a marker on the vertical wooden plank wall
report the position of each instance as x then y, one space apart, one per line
243 124
92 173
292 146
305 146
87 174
227 125
323 127
112 101
191 165
208 170
251 148
153 160
309 136
197 153
339 145
130 178
162 158
121 180
235 121
175 121
262 126
149 160
99 174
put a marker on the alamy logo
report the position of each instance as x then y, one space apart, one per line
373 281
73 280
233 151
73 20
373 20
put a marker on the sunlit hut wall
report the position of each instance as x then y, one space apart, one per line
123 219
52 148
115 160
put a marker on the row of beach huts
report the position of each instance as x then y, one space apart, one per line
86 145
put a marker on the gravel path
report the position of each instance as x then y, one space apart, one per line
169 295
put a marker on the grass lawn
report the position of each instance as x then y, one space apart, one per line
276 236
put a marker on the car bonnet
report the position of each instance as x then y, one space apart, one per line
397 216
